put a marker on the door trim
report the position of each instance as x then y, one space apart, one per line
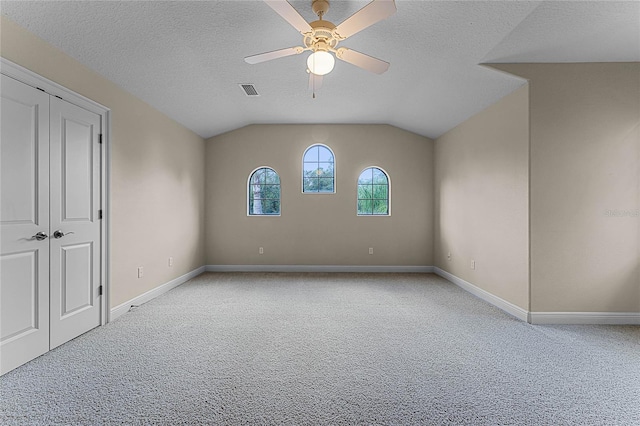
28 77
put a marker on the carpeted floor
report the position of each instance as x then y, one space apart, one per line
329 349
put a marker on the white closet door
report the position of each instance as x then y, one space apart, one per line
75 221
24 213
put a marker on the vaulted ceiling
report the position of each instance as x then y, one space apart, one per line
185 58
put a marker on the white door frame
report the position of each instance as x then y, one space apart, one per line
32 79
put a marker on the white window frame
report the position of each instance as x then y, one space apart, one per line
248 185
388 193
335 180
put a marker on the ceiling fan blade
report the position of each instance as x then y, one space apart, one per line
267 56
363 61
315 81
374 12
284 9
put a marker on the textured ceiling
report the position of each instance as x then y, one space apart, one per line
186 57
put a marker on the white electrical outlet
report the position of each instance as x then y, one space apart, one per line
473 264
261 250
370 250
140 272
170 261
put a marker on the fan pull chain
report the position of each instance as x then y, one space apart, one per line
313 86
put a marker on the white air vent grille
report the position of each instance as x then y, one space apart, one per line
249 89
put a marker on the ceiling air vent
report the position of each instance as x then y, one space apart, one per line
249 90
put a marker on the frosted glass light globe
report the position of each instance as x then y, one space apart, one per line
321 63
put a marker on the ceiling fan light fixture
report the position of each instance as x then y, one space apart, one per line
320 62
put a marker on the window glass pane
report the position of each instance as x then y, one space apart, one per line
256 206
312 154
270 191
380 192
274 192
272 177
311 169
325 185
258 176
310 185
364 207
324 154
380 207
326 170
366 176
271 207
379 176
364 192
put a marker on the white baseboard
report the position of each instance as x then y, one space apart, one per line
538 318
318 268
613 318
496 301
123 308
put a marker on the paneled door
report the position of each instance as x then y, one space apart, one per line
24 224
50 265
74 221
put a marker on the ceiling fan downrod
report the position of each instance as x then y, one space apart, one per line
320 7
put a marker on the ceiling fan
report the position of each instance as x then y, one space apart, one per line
322 38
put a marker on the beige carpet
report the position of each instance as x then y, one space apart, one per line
330 349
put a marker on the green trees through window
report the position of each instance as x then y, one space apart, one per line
373 192
318 176
264 192
318 170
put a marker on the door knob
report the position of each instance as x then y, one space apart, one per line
40 236
59 234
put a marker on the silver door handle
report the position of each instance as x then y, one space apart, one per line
40 236
59 234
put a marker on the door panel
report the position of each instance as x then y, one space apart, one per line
76 273
77 170
19 160
75 200
19 275
24 197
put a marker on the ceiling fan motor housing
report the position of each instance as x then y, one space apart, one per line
322 37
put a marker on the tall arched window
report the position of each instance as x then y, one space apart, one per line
374 192
318 170
263 193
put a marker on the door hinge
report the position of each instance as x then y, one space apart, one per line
100 138
100 214
100 291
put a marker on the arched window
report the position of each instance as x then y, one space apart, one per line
263 192
318 170
374 193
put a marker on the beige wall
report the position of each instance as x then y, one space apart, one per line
585 161
584 189
157 172
320 229
481 199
